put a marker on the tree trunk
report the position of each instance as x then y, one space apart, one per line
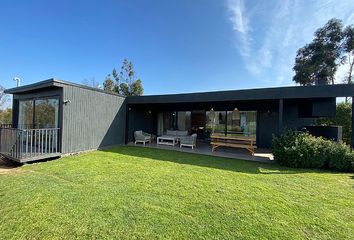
351 65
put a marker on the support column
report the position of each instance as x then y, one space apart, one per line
280 115
352 122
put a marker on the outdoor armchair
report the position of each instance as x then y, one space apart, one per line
188 141
142 137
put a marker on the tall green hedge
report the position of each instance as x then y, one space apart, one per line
302 150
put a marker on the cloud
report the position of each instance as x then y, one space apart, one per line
240 25
267 35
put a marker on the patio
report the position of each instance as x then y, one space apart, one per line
204 148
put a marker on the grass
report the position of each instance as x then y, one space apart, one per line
134 192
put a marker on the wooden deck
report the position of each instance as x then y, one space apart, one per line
26 145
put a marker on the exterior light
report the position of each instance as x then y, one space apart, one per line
235 114
66 102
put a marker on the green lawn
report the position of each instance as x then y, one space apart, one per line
134 192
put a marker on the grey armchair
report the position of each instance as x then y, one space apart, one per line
188 141
142 137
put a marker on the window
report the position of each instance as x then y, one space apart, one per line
231 123
46 113
39 113
215 122
184 121
169 121
25 114
241 123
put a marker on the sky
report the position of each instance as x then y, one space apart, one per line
176 45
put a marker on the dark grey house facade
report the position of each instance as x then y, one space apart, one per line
86 118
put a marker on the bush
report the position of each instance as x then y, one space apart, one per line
302 150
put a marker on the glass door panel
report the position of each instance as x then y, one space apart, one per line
25 114
215 122
46 113
241 123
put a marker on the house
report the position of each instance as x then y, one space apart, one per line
54 117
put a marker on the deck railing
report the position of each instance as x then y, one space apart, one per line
6 125
20 144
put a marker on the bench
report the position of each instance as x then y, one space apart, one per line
235 142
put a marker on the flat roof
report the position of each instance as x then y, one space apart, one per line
53 83
293 92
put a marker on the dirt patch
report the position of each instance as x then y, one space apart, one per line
7 166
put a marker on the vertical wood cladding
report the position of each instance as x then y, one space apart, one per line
91 119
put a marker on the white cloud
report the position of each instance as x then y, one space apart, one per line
240 25
286 25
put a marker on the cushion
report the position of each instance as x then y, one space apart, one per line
170 132
139 132
181 133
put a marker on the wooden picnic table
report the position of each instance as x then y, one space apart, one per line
246 142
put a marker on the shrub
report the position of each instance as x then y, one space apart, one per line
302 150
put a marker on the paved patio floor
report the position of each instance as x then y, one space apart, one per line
261 155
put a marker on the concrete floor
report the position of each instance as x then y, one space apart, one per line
261 155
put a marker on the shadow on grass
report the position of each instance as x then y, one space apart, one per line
8 165
199 160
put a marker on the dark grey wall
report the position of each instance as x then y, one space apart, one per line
324 107
267 125
144 120
92 119
267 114
291 118
96 119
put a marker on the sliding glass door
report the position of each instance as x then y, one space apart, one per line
38 113
46 113
231 123
241 123
205 123
173 120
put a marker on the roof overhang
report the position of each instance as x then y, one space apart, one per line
295 92
52 83
35 86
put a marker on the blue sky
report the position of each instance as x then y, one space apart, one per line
176 46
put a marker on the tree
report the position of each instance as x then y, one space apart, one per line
5 116
126 82
91 82
348 47
3 97
317 62
108 84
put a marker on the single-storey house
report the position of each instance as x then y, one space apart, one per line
55 117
